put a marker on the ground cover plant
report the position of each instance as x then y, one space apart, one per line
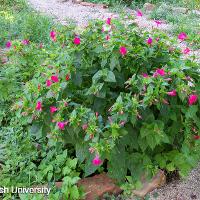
116 97
107 98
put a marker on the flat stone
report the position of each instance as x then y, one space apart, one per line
157 181
95 187
180 10
149 7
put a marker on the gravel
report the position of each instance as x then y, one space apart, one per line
187 189
67 11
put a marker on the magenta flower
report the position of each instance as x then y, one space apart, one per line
145 75
84 126
182 36
149 41
25 42
48 83
158 22
139 13
160 72
108 21
39 106
8 44
192 99
53 109
186 50
123 51
96 161
107 37
54 79
77 40
61 125
53 35
172 93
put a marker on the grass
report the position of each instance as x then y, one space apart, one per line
17 20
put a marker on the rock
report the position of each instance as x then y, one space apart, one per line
95 187
178 10
98 5
157 181
149 7
62 1
77 1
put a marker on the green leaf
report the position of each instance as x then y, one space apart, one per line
66 170
74 193
82 151
114 62
110 77
170 167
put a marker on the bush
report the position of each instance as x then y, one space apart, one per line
119 96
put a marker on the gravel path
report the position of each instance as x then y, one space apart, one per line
181 190
66 12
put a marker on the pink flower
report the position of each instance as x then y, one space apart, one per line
48 83
61 125
25 42
161 72
39 106
196 137
139 13
91 150
122 123
77 40
53 35
67 78
107 37
54 79
41 45
39 87
172 93
149 41
8 44
53 109
192 99
97 161
157 39
145 75
123 50
84 126
165 101
158 22
108 21
182 36
186 50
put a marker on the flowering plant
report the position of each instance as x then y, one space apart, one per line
127 103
